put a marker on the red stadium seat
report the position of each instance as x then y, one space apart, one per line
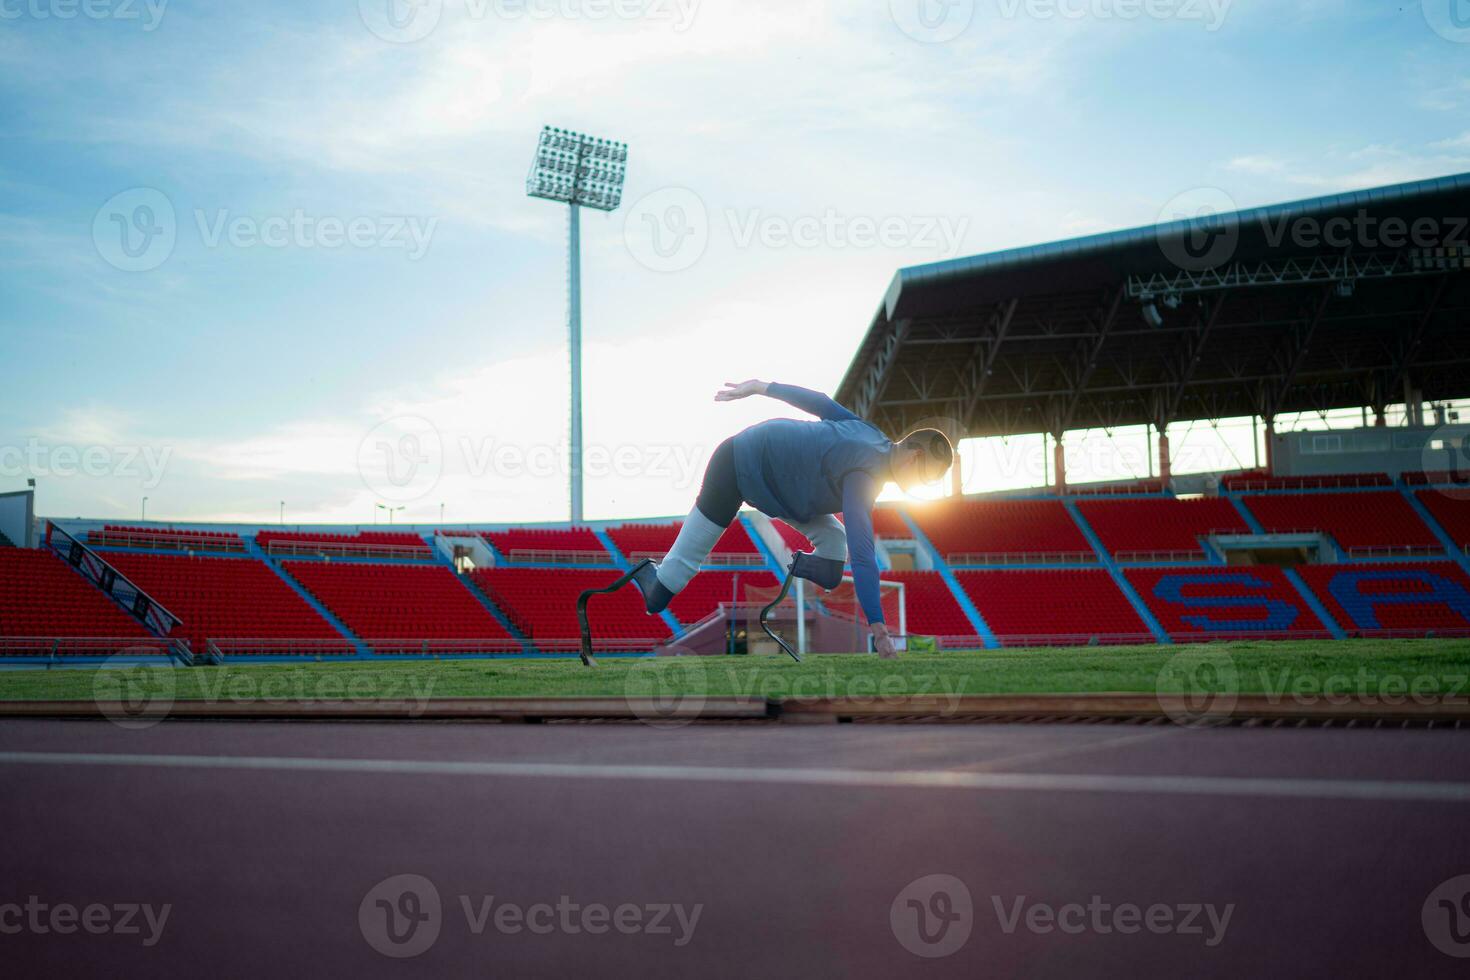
393 608
230 598
542 604
1211 601
375 544
637 541
1410 598
707 590
930 607
1451 510
1159 528
1037 606
1375 522
1003 531
41 597
549 544
173 539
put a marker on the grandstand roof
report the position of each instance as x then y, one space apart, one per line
1326 303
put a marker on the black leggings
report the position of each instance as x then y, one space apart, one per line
719 498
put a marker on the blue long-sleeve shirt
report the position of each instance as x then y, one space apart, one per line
800 470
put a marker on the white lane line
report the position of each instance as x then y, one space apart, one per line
1319 789
1061 752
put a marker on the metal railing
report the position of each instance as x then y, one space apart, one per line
552 557
337 549
1395 551
1126 556
716 558
169 542
1356 482
85 646
430 647
139 604
282 647
1021 558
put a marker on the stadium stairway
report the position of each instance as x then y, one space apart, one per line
259 553
1314 603
1119 579
1451 547
982 628
484 600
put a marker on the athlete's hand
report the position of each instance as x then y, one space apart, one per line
883 643
733 391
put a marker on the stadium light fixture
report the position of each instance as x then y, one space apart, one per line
579 171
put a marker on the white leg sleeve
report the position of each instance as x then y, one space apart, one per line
827 535
695 541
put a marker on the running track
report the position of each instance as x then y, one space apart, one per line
795 841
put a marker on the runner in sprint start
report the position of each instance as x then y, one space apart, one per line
804 473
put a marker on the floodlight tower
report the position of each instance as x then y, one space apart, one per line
580 171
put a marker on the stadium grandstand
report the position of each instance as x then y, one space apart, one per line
1335 533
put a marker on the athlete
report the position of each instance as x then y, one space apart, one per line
804 473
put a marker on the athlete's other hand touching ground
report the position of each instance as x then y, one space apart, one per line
883 643
735 391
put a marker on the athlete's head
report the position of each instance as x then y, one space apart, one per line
923 456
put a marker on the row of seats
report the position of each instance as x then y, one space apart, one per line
541 602
164 539
1159 525
41 596
399 603
1261 480
1372 520
1451 510
963 530
1246 601
1019 604
579 541
366 541
224 598
657 539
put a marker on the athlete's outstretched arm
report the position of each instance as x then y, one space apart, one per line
859 490
813 402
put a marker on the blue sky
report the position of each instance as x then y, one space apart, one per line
346 298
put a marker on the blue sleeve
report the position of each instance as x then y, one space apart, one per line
858 493
811 402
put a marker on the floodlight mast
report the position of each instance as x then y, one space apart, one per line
578 171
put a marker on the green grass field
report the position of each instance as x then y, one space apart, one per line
1361 667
